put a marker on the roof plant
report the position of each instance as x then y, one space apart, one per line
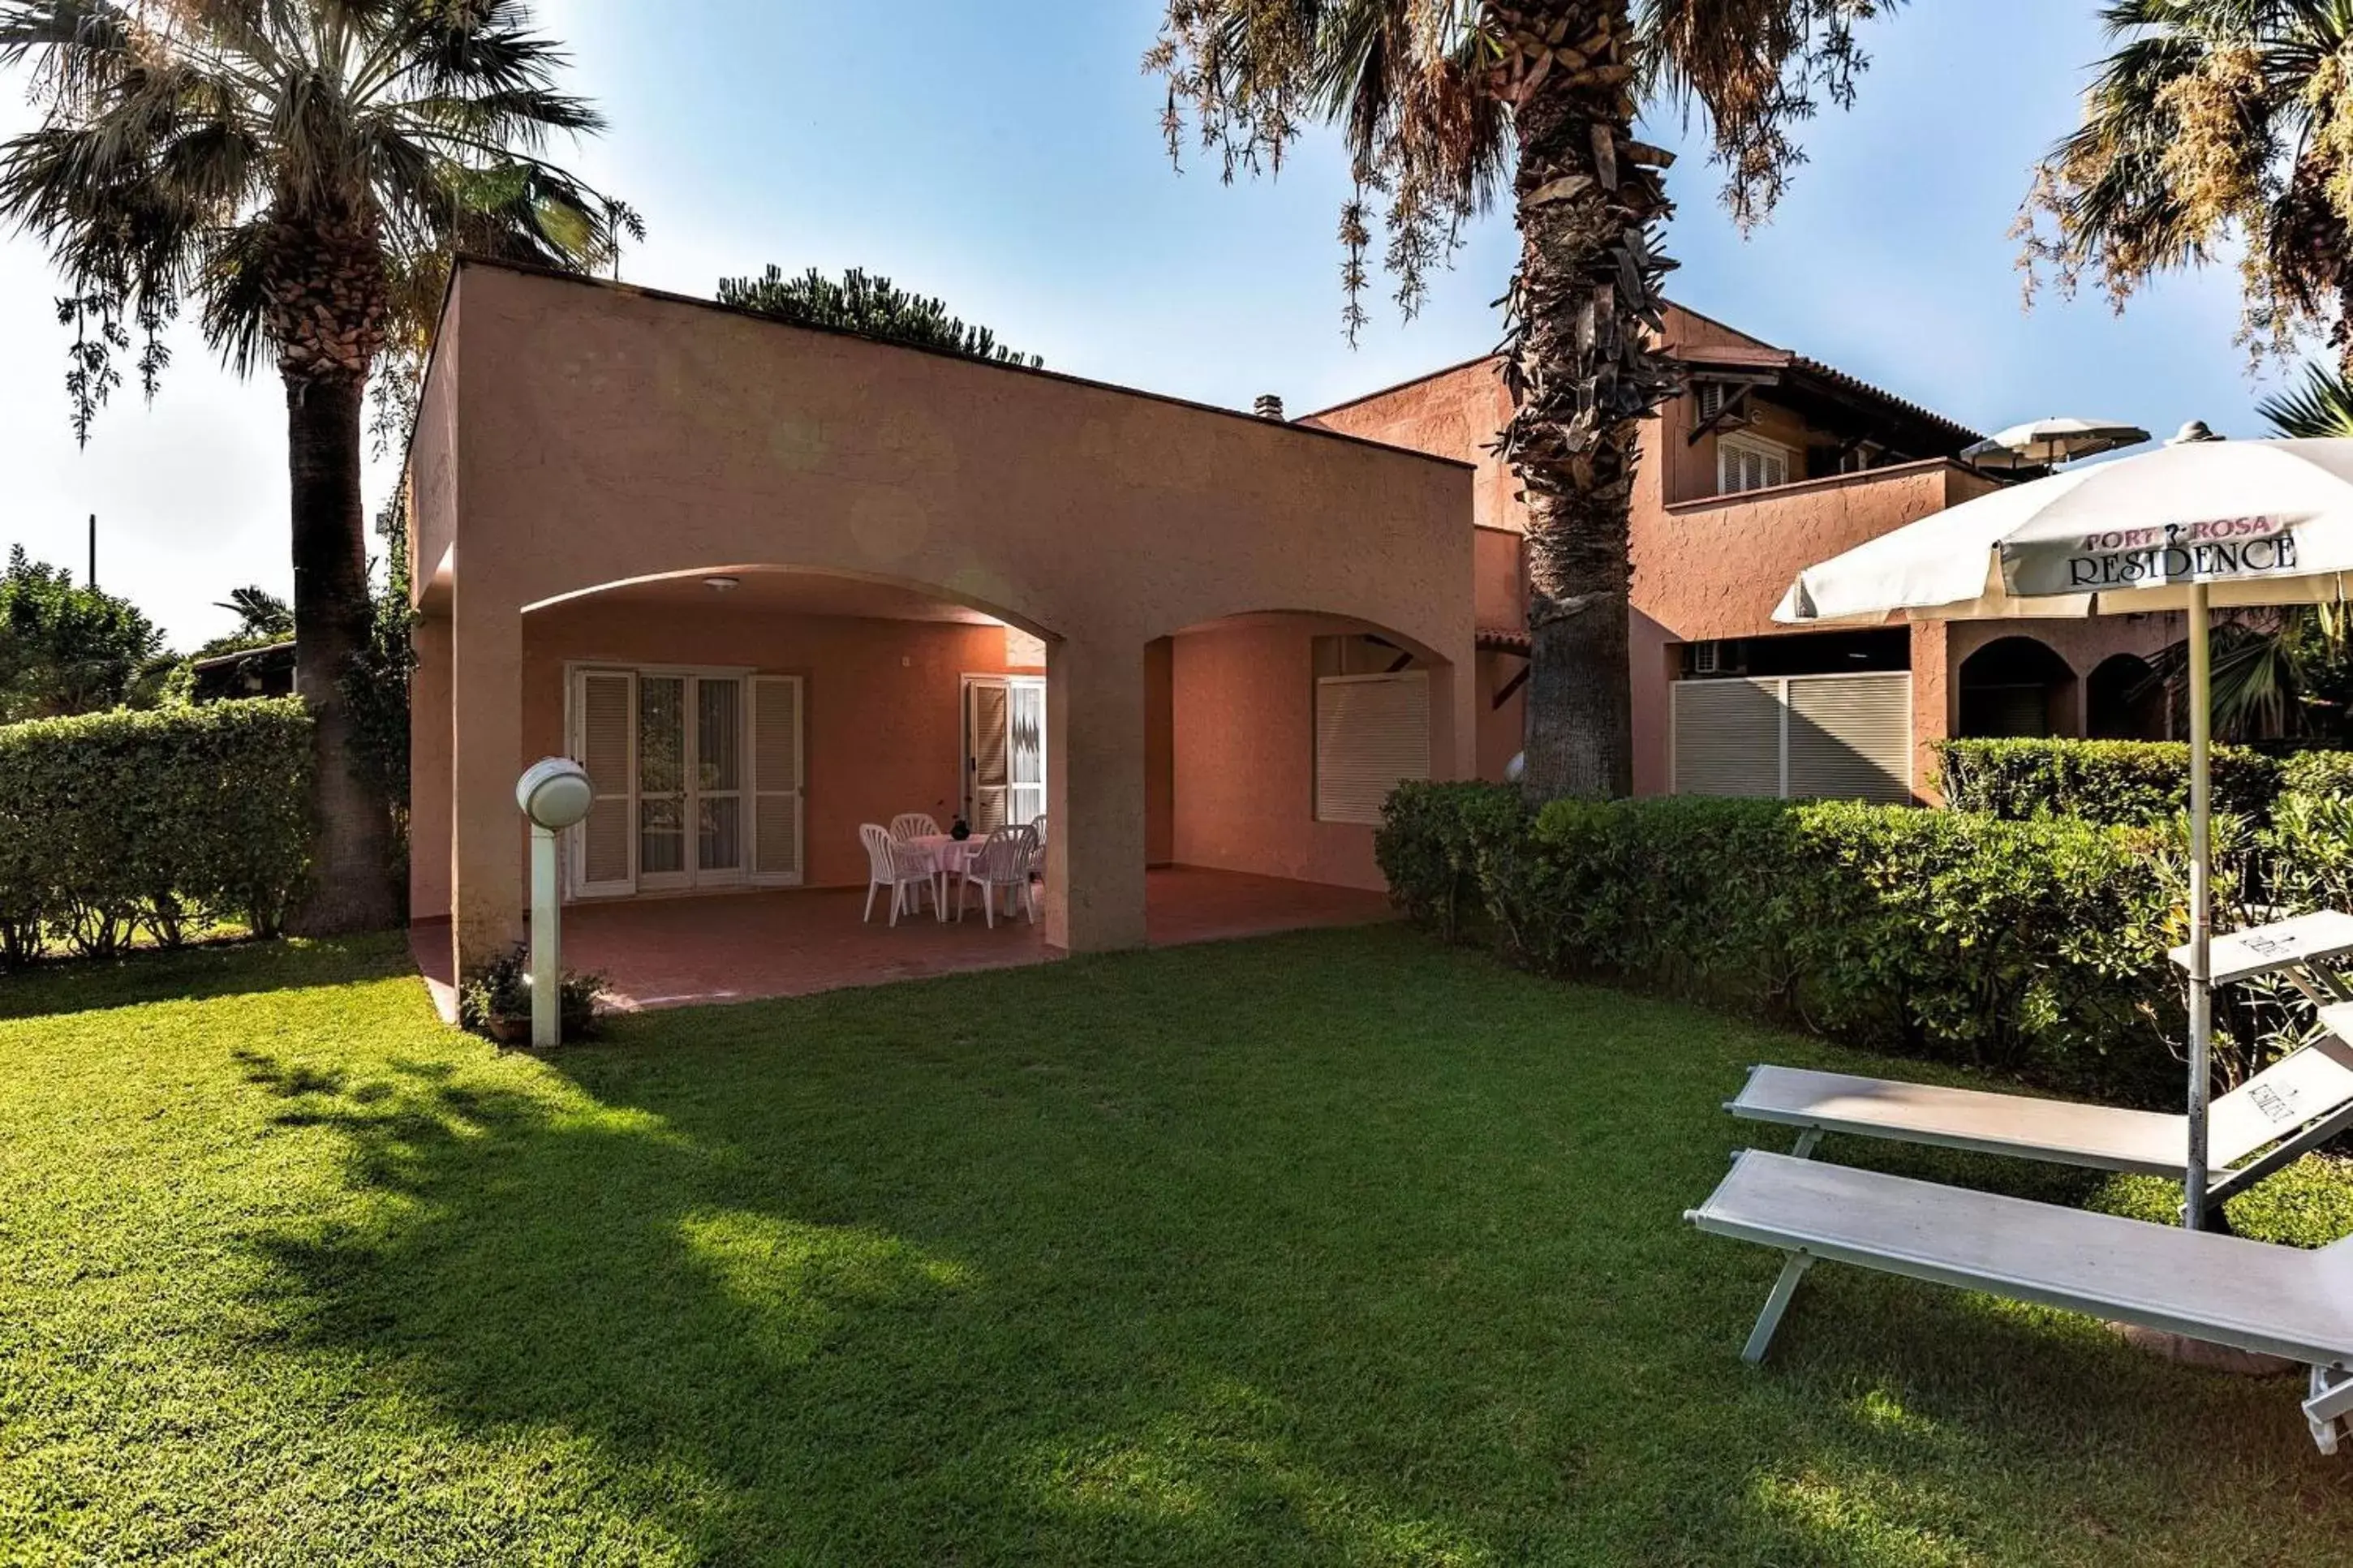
874 306
2213 121
296 174
1449 107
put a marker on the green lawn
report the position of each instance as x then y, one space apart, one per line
1338 1248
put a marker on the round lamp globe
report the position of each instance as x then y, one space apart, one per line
555 792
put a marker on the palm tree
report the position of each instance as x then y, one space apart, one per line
1445 106
259 613
2213 120
299 173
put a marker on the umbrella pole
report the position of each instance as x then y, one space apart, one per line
2202 914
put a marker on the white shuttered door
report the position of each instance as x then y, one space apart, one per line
777 780
1845 737
604 704
1372 734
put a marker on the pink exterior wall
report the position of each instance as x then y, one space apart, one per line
1245 756
1159 752
606 435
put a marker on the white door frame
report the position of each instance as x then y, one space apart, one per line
967 756
691 878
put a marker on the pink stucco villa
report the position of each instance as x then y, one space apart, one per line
769 583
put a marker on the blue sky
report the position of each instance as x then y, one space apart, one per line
1007 156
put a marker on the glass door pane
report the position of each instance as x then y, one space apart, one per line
719 776
661 776
1026 750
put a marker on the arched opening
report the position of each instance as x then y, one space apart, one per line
2125 700
2016 686
1274 738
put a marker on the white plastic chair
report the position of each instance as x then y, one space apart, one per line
900 868
914 824
1004 861
1037 863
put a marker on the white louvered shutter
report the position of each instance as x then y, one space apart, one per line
1851 736
1372 734
777 780
987 760
1727 737
604 711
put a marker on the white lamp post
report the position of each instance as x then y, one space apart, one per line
554 794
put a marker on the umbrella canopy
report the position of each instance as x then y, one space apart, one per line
2198 522
2040 443
2254 522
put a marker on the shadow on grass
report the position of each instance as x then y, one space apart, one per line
67 985
1323 1250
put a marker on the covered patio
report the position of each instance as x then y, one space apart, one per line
770 586
739 947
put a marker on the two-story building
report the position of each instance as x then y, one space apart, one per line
1772 462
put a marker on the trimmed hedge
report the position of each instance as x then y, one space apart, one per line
2035 947
2127 782
2317 773
117 823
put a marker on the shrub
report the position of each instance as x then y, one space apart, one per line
2317 773
115 823
2030 947
2128 782
495 1000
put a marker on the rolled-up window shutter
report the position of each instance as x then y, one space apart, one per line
1727 737
1850 737
1372 734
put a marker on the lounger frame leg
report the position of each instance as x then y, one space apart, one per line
1760 1337
2330 1405
1807 1141
2226 1183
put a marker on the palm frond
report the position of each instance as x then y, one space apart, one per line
2322 407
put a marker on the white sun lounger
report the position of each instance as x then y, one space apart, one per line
2276 1300
2293 1106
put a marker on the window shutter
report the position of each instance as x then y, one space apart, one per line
777 778
1372 734
988 760
1850 737
1727 737
604 701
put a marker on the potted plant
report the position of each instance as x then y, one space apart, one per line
495 1000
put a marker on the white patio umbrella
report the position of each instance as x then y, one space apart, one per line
2194 524
2040 443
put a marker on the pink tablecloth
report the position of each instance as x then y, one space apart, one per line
949 855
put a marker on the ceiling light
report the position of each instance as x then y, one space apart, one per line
723 585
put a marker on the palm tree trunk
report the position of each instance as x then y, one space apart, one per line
1584 370
352 888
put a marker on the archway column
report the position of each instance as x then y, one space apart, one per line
1095 794
488 897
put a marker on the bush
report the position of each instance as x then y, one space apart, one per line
2035 947
2317 773
117 823
2127 782
495 1000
